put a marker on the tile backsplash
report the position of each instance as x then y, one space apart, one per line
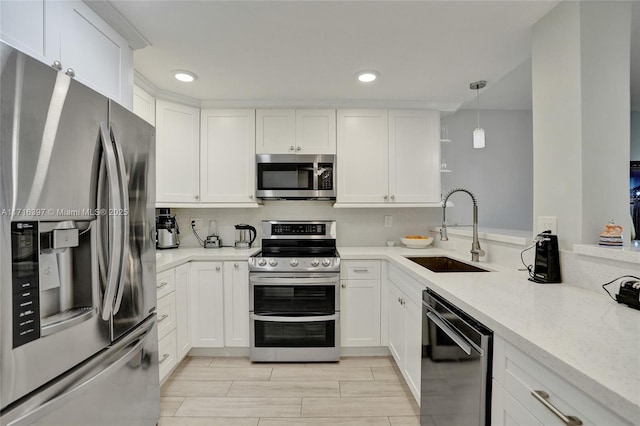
355 227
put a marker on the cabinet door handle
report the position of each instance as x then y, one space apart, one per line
235 265
162 284
163 317
393 197
298 148
164 358
343 285
543 397
400 300
70 72
197 197
291 148
385 197
251 196
217 268
57 65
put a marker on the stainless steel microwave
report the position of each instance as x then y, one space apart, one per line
296 177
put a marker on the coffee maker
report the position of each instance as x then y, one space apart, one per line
546 267
167 230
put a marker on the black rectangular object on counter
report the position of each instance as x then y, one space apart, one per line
629 295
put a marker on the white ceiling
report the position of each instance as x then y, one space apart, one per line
427 52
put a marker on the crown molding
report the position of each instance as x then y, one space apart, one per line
141 81
107 11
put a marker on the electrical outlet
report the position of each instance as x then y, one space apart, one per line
548 223
199 223
388 221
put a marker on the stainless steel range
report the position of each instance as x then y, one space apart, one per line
294 304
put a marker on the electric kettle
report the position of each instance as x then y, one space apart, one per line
245 236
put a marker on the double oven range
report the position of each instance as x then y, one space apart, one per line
294 293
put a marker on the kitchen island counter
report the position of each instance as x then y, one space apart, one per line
583 336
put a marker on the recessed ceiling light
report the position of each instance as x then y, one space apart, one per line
367 76
184 76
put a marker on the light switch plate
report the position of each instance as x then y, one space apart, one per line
548 223
388 221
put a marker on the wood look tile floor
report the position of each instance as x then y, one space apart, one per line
234 391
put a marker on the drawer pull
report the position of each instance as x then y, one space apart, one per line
162 284
162 318
164 358
360 270
543 397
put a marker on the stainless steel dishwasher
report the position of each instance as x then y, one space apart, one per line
456 365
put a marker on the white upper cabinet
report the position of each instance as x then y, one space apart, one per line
144 105
363 165
177 153
74 35
22 26
227 156
275 131
290 131
414 156
316 131
388 158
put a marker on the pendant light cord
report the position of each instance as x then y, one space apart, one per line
478 105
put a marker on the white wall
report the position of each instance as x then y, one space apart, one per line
355 227
580 70
635 135
499 175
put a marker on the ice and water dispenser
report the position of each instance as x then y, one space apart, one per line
53 277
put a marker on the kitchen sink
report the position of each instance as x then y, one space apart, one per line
444 264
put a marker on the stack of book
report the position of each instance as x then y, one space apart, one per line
610 240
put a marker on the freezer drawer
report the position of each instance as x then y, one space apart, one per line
118 387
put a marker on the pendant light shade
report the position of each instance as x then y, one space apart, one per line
478 138
478 133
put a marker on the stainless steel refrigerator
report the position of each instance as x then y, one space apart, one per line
78 334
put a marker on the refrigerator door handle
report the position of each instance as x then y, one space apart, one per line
115 203
124 216
103 366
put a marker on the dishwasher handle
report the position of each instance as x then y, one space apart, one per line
457 338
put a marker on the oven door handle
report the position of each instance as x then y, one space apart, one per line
269 318
459 340
293 281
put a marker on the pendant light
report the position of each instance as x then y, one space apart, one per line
478 133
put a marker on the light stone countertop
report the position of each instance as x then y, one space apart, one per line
584 336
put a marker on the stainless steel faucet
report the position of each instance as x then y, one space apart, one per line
476 251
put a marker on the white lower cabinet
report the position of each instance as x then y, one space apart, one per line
166 320
207 304
236 303
167 354
405 327
183 291
516 376
505 410
360 303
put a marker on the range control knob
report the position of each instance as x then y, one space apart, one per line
315 262
326 262
293 262
273 262
262 262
